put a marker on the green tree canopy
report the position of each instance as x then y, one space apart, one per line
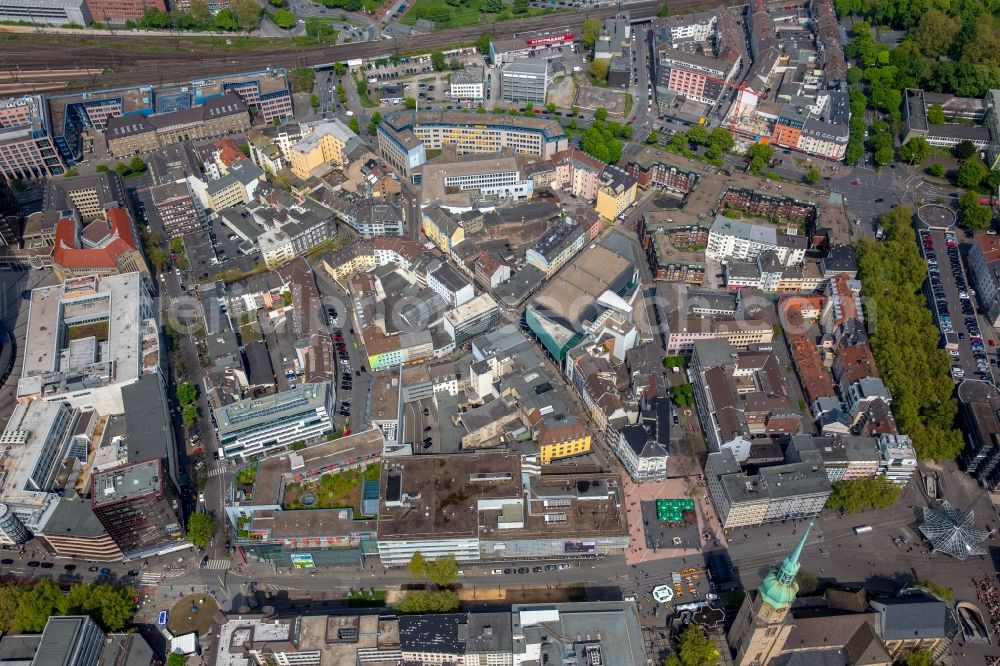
598 69
187 393
284 19
247 14
812 176
189 414
200 529
483 43
935 33
652 137
599 142
905 342
352 123
915 151
883 155
697 135
722 138
863 494
176 659
442 571
695 649
971 173
428 601
438 61
963 150
589 32
936 170
600 114
935 114
920 657
417 566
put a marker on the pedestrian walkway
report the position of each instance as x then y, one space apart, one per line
218 471
217 564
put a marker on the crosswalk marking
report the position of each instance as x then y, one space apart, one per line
217 564
218 471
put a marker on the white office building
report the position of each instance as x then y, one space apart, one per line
263 426
744 241
468 84
525 81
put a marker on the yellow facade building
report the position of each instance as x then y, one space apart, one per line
616 194
327 142
563 440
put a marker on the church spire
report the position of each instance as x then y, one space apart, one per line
779 587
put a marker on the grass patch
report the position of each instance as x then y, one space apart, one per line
193 613
366 599
251 332
332 490
362 86
97 329
629 101
469 13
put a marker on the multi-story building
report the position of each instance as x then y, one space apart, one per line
267 91
39 436
103 247
741 395
644 447
767 273
556 246
120 11
457 638
47 12
87 339
293 233
845 457
462 183
696 55
234 189
89 196
615 194
452 286
505 521
935 632
270 146
946 135
404 138
778 492
664 176
27 150
898 458
175 205
370 217
597 280
477 316
525 81
140 509
468 84
323 142
491 271
984 262
743 241
217 117
263 426
816 127
442 228
742 331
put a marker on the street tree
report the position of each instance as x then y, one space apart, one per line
187 393
417 566
883 155
189 414
935 114
694 649
963 150
200 529
876 492
697 135
247 14
812 176
438 61
442 571
284 19
598 69
601 114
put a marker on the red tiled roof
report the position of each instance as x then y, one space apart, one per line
989 245
68 254
229 152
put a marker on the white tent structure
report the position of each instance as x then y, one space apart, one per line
953 533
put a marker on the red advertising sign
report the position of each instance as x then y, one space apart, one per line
550 39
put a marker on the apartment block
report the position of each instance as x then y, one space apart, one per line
984 263
744 241
644 447
405 137
696 55
106 246
741 395
477 316
120 11
468 84
176 208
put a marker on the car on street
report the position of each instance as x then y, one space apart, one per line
33 564
47 565
523 570
496 571
105 571
70 567
8 562
509 572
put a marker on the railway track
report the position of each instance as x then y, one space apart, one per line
124 60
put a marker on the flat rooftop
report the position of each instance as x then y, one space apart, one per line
31 433
126 483
438 496
55 311
479 305
249 413
385 396
578 285
312 460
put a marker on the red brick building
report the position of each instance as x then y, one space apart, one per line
119 11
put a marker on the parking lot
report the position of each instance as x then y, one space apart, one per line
952 302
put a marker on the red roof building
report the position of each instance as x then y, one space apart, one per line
105 246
